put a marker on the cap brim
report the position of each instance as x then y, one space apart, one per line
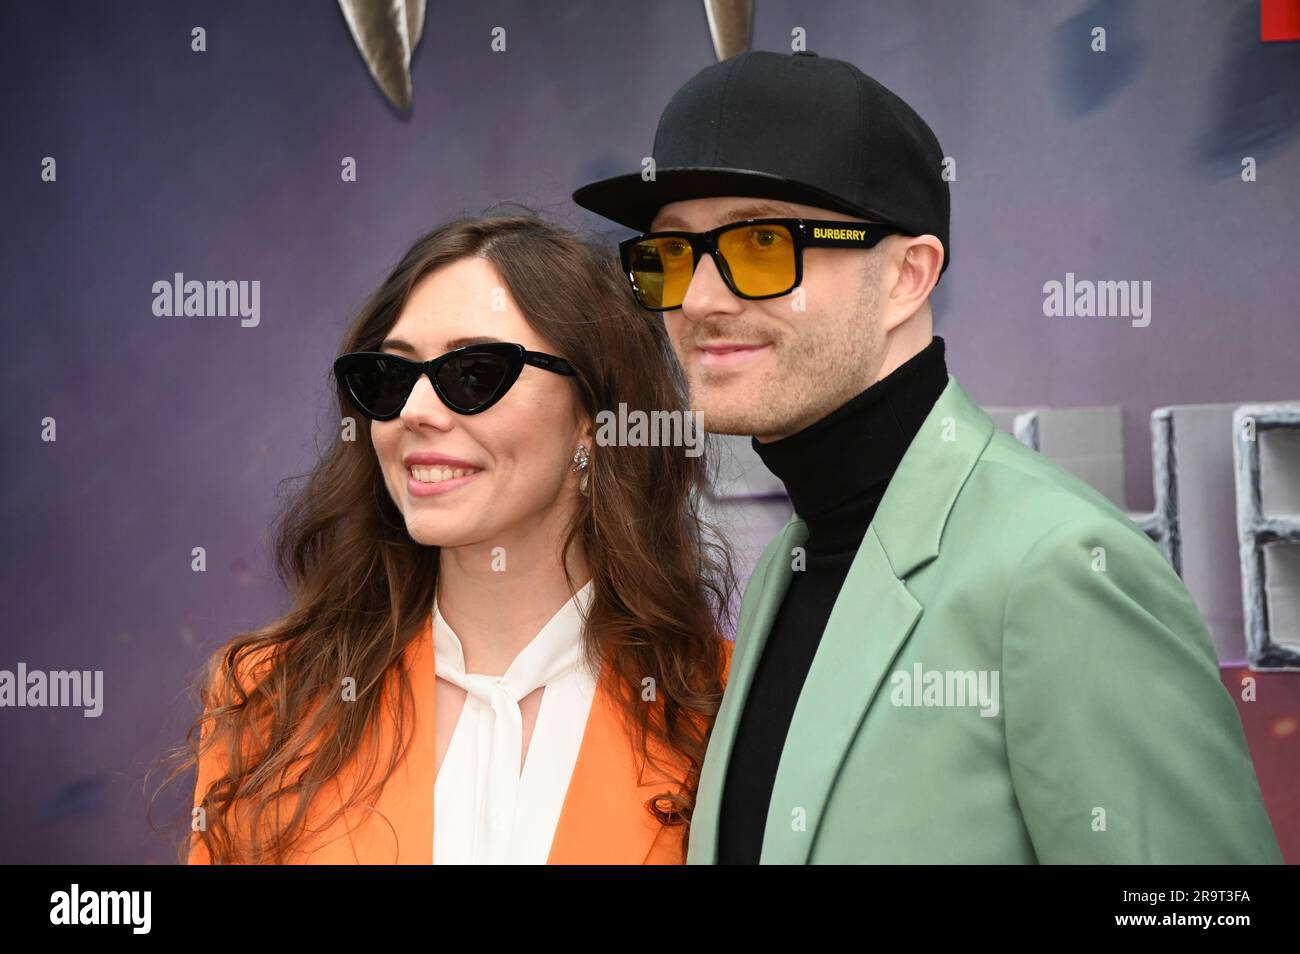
633 202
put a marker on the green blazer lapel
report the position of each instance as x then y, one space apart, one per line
763 595
915 508
871 620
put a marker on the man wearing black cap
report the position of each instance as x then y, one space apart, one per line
955 651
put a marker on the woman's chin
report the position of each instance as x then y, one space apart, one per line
437 533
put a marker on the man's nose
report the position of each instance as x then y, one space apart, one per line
707 293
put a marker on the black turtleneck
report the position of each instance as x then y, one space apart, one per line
835 472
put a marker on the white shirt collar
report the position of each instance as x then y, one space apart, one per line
555 649
498 727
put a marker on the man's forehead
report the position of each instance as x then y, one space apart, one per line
700 214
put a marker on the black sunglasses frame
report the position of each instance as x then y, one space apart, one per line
516 354
803 232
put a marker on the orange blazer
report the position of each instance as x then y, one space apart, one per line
603 819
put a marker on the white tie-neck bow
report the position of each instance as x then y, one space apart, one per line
555 650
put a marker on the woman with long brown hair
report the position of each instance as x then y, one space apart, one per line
504 642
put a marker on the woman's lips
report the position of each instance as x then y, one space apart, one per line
434 480
728 355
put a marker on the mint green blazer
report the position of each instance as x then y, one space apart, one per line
1104 734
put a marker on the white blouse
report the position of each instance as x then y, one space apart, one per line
485 810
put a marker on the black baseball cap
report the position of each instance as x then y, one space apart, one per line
799 127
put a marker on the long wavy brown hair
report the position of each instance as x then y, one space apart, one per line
361 589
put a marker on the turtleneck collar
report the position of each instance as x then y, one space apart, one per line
838 467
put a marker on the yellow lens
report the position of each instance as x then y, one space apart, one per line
662 269
760 257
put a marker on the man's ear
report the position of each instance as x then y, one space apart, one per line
915 271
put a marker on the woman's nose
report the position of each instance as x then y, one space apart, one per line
423 406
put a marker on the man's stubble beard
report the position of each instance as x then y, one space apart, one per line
809 376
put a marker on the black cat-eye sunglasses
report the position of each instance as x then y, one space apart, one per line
468 380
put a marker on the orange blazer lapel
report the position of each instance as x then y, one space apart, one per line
398 827
603 819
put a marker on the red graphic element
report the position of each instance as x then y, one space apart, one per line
1270 720
1279 20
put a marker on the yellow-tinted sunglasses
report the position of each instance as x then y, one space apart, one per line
757 258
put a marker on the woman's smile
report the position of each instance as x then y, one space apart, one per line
430 474
429 481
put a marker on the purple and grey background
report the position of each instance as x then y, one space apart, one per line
225 165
